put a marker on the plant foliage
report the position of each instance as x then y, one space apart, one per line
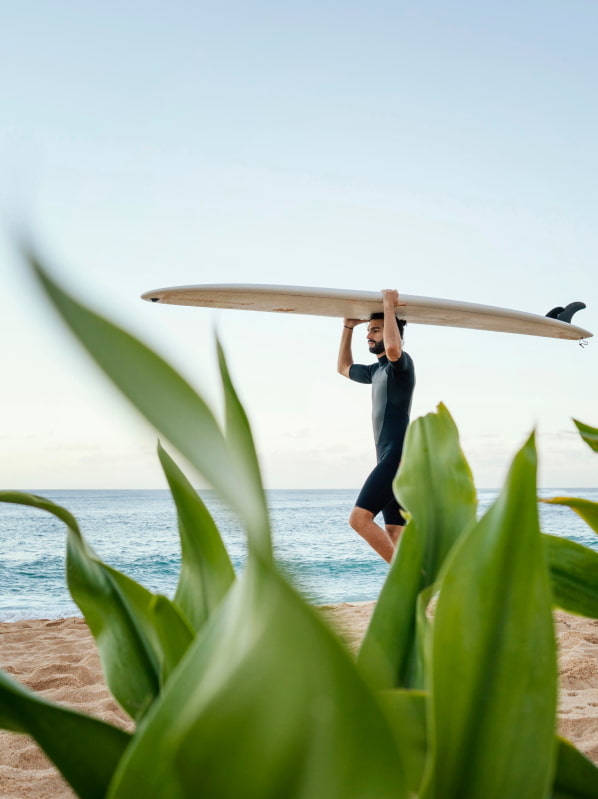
236 685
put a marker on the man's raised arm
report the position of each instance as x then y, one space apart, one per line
393 344
345 354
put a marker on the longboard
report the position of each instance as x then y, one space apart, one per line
360 304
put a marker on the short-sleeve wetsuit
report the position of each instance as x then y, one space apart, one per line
392 389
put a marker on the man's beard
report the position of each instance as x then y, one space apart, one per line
376 347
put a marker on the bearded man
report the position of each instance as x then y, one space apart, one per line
392 377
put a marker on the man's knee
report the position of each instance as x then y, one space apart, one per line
360 517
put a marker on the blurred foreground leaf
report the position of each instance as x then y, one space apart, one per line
574 575
85 749
435 485
167 401
585 508
406 712
140 636
576 777
493 686
589 434
206 570
240 441
266 704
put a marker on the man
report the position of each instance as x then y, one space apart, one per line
392 378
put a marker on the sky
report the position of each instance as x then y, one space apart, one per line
440 148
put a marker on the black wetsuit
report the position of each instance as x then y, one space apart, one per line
392 389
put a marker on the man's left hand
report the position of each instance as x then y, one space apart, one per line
390 295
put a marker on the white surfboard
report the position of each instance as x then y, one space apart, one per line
360 304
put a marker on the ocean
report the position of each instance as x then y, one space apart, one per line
136 532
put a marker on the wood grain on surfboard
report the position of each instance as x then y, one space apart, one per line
360 304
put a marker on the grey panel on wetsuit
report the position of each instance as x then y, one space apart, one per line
392 389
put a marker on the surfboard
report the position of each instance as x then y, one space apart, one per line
360 304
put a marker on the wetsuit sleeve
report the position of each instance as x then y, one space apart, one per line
360 373
402 365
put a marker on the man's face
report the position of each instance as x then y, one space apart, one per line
375 337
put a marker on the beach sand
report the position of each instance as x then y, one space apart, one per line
59 660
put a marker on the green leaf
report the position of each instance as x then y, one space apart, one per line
589 434
159 393
240 440
585 508
494 673
160 626
388 652
266 704
406 712
85 750
574 575
435 485
140 637
206 570
576 777
423 631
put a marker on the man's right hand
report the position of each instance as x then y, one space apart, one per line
354 322
345 356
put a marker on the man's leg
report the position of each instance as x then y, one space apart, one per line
375 496
362 521
394 531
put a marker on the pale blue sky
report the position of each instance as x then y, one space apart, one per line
445 149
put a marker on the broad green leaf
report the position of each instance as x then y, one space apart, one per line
266 704
206 570
240 441
585 508
406 712
574 575
159 624
435 485
159 393
140 637
388 653
85 750
494 673
423 628
576 777
589 434
138 650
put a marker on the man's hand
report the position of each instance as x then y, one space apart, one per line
345 356
390 296
351 323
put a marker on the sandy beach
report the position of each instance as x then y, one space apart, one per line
58 659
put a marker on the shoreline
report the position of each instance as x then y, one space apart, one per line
57 658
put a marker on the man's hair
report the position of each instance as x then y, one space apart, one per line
401 323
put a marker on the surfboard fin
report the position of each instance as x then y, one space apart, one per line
566 314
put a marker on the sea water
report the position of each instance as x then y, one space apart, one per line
136 532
